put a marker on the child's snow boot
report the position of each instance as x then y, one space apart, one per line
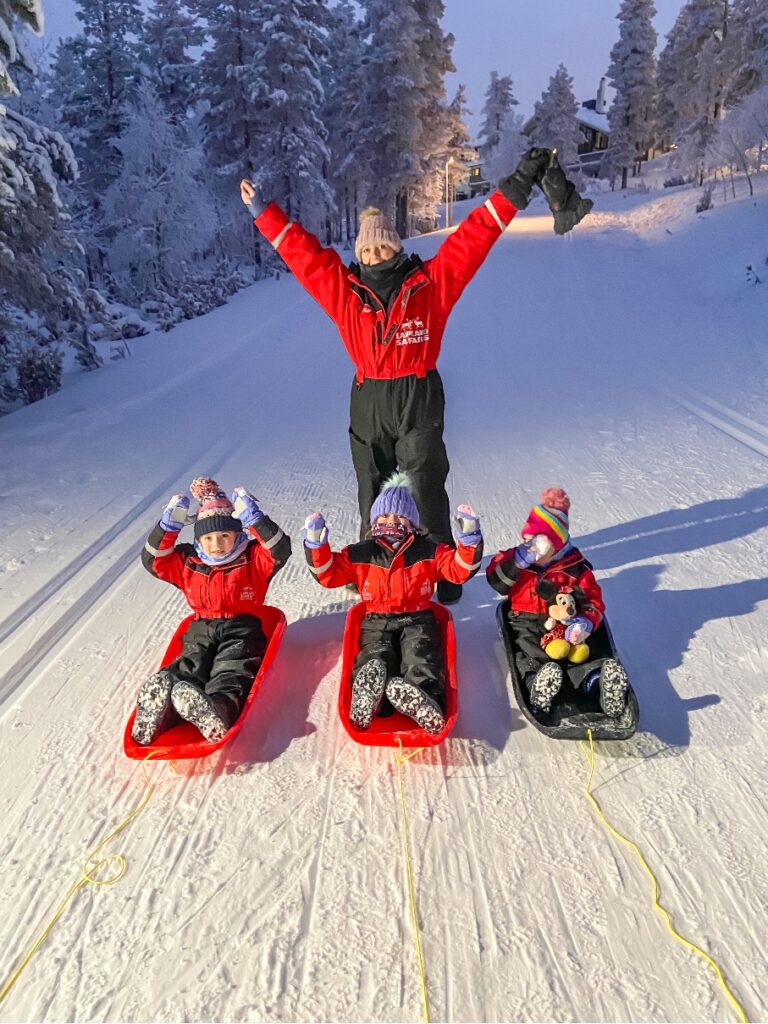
153 708
545 687
367 691
613 688
208 713
410 700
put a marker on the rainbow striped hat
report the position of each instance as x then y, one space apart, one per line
550 517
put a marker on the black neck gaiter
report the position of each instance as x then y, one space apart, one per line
386 278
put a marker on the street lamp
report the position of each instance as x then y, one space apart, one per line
448 162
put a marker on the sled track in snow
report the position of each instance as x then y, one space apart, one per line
741 428
30 633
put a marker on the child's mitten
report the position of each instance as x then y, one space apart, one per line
469 526
315 531
174 515
246 507
578 629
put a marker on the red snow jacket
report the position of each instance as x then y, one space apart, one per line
219 591
405 339
392 582
521 585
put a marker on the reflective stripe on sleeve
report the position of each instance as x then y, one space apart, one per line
282 234
268 544
503 577
492 210
466 565
158 552
322 568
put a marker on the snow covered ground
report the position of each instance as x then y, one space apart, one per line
626 362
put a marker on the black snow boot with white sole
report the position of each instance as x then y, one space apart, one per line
207 713
545 687
410 700
613 688
367 692
154 710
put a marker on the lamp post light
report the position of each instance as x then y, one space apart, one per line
448 162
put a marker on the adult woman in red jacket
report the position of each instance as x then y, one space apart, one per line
391 310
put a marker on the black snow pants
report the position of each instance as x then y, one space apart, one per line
410 645
528 629
221 656
398 424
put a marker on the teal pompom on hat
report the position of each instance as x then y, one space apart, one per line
396 498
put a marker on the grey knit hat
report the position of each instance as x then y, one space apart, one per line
375 229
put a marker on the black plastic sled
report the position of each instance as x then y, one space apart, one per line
573 712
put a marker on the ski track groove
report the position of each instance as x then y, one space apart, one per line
717 415
76 617
308 912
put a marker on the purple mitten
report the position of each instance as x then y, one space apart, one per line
246 508
315 531
469 526
524 555
174 516
577 631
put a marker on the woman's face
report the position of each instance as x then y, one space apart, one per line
370 255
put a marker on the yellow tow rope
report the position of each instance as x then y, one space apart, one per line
90 870
589 753
400 759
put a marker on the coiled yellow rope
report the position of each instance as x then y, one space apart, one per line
400 759
91 869
590 756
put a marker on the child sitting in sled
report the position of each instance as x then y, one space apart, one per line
224 577
395 571
531 575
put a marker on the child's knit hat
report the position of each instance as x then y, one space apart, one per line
550 517
216 512
396 497
375 229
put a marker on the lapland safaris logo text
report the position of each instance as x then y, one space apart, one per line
412 332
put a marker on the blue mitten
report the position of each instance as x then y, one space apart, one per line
524 555
246 507
469 526
577 631
315 531
174 515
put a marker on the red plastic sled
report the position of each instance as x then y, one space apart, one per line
385 732
184 740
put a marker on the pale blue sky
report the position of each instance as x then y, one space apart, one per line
525 40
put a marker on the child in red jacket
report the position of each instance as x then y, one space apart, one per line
395 571
224 577
530 575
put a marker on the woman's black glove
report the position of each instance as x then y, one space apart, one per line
564 201
517 187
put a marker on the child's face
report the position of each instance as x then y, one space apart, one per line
218 543
390 519
542 545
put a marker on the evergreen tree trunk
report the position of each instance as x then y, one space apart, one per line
401 213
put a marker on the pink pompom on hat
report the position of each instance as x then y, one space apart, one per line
550 517
216 512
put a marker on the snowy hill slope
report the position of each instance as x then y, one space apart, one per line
626 362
